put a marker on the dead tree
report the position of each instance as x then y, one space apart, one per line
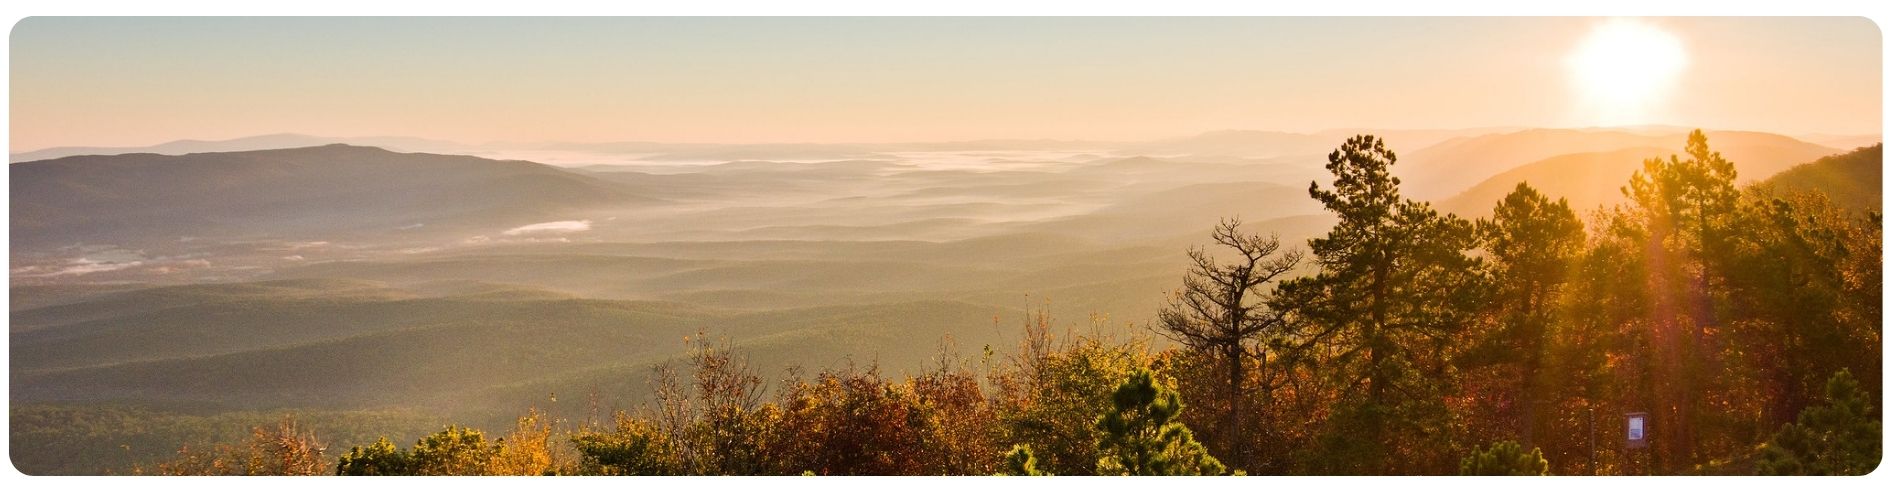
1222 310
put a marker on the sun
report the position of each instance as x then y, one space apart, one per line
1624 70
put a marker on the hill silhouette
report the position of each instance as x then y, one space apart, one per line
312 190
256 142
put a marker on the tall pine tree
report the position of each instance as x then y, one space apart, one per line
1532 243
1390 302
1684 212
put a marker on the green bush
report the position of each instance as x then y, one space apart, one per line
1505 458
1142 437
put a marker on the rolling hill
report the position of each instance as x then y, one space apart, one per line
1458 165
1590 179
1852 180
1586 179
313 190
267 345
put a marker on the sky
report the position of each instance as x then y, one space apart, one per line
143 81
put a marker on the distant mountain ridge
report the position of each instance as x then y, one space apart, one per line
257 142
1229 143
342 187
328 189
1276 144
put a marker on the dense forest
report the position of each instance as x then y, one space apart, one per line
1743 321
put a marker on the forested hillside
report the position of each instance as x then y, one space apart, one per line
1854 179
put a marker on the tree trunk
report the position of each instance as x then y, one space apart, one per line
1233 431
1537 329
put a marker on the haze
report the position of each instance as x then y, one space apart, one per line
125 82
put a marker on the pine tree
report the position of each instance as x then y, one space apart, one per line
1794 278
1505 458
1142 437
1532 243
1841 437
1382 317
1020 462
1685 213
1051 399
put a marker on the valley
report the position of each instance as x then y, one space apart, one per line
424 288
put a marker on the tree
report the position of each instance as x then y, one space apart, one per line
1020 462
454 451
1841 437
528 449
382 458
713 419
960 418
1504 458
853 422
1051 397
1383 315
1221 311
1532 243
1684 212
634 447
1597 345
1689 202
1141 437
284 449
1796 273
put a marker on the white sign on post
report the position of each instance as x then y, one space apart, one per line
1638 429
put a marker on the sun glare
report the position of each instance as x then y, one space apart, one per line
1624 70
